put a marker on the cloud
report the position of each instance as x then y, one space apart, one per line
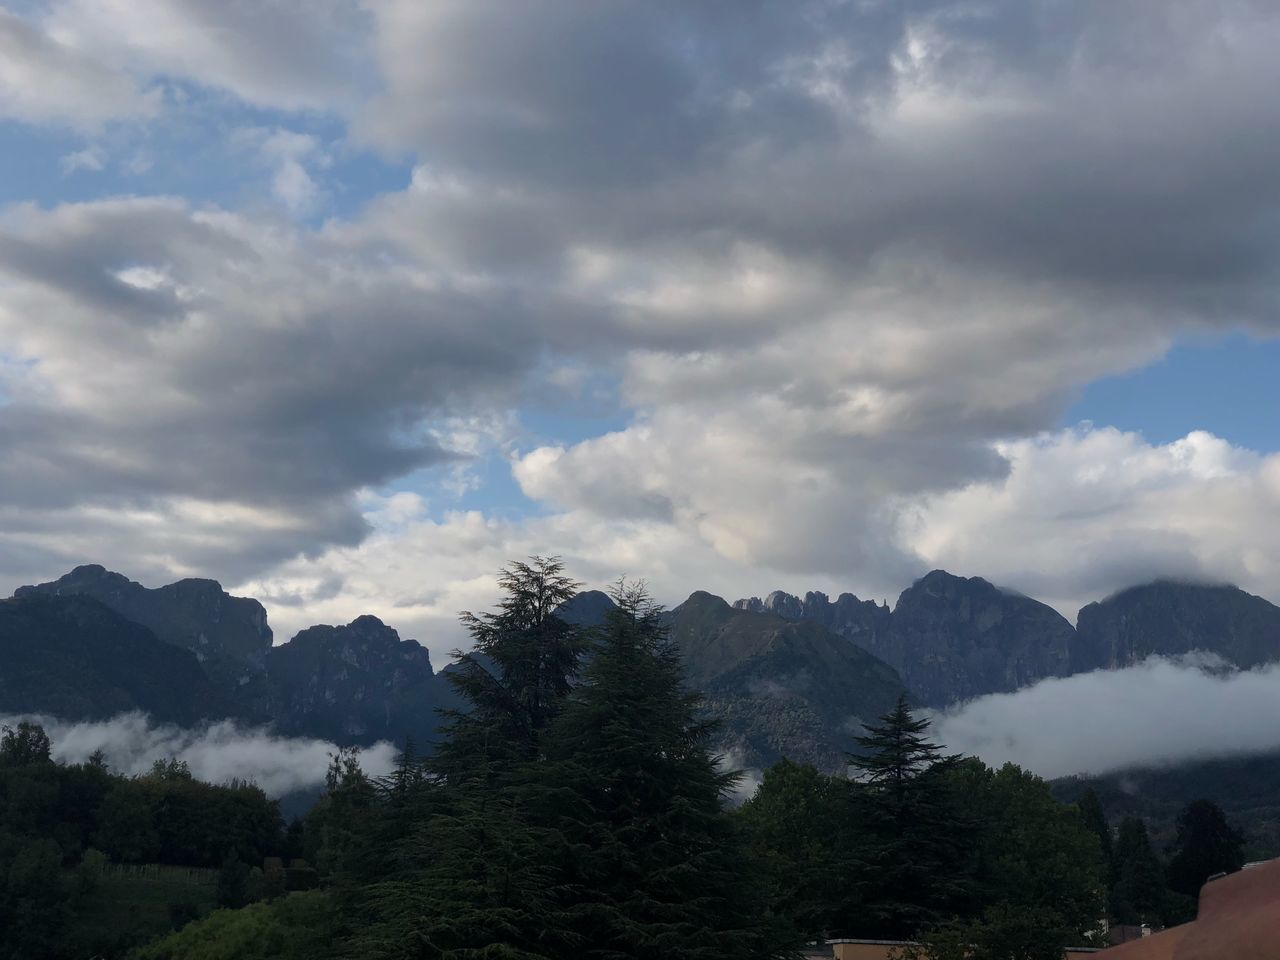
844 262
288 54
1087 510
91 158
1158 713
222 386
287 154
215 753
45 79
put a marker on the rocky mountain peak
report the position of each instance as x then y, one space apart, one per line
230 635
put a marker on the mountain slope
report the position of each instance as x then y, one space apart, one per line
1173 618
229 635
954 638
357 683
781 688
75 658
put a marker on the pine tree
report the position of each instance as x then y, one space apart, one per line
918 830
653 866
1206 844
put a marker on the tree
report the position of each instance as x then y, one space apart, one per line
1140 894
1095 820
652 865
1040 883
518 674
802 827
233 882
917 828
1206 845
25 744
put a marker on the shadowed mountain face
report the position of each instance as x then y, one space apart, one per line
229 635
951 638
75 658
778 688
781 688
1175 618
355 684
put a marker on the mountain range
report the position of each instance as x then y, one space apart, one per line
786 676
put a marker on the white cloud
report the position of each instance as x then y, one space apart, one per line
91 158
286 54
215 753
44 79
1158 713
1088 510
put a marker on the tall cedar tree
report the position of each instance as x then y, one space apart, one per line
1207 844
919 834
654 867
455 868
517 676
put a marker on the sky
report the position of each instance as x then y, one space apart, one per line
345 303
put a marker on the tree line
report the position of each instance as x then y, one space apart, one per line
575 807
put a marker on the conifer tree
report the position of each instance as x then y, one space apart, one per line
918 830
1095 820
1140 894
1206 844
515 679
653 866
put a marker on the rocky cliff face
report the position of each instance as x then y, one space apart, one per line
75 658
954 638
1172 618
229 635
780 687
860 621
950 638
357 683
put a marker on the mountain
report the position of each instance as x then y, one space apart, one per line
951 638
353 684
357 683
781 688
1173 618
954 638
586 609
229 635
75 658
859 621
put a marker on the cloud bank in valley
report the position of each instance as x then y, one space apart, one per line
215 753
1157 713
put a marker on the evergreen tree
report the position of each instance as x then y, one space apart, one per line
652 864
1140 894
515 679
1206 845
452 866
1095 820
918 831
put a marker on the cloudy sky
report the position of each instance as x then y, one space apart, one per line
346 302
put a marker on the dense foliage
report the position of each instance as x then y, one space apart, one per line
67 831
